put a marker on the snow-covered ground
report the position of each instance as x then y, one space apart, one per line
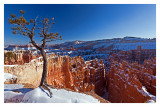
59 96
8 76
153 98
10 65
15 93
133 46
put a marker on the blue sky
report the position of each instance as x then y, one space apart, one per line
87 21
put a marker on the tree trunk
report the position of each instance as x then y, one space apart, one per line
44 74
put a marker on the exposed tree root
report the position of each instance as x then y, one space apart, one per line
51 86
47 87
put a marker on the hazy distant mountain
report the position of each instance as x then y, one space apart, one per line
126 43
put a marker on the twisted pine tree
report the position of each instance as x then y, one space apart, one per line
36 27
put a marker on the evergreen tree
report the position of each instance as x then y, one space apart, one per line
31 28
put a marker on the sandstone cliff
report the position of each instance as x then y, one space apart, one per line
123 85
19 57
63 72
76 74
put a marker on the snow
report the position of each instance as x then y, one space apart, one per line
134 38
151 101
12 97
93 56
8 76
39 63
153 98
69 52
133 46
59 96
13 86
145 90
98 45
33 60
15 93
39 57
10 65
101 45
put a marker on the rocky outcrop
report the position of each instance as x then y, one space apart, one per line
76 74
143 64
28 73
150 64
123 84
19 57
138 55
9 78
146 74
124 79
63 72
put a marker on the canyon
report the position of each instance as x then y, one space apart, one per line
119 76
63 72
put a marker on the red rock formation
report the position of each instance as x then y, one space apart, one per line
145 76
150 64
138 55
123 85
20 57
76 74
28 73
146 72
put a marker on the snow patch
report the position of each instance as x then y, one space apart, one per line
8 76
145 90
13 86
59 96
10 65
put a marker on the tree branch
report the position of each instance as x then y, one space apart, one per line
34 26
32 34
44 35
34 44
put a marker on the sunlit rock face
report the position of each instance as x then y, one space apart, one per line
76 74
63 72
124 79
19 58
29 73
123 84
138 55
146 74
142 63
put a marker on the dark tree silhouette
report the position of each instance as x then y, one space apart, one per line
34 27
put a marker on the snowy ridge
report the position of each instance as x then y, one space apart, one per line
133 46
38 95
83 48
152 96
59 96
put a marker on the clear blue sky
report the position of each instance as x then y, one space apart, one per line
87 21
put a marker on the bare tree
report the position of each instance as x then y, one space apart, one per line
29 29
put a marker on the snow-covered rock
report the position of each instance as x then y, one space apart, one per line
38 95
133 46
10 65
9 78
15 93
153 98
151 101
10 93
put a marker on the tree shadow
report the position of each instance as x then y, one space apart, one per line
20 90
44 91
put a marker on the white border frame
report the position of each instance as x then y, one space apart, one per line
2 2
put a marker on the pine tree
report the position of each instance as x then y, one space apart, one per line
31 28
